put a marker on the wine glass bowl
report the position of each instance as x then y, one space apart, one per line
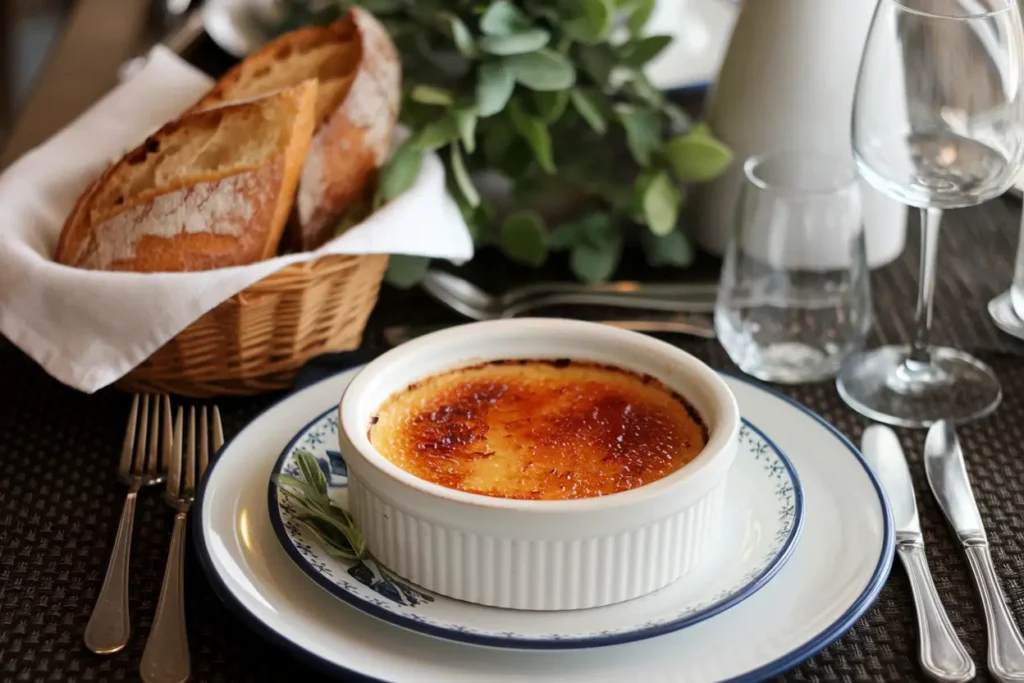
938 123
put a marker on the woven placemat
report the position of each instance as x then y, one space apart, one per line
60 504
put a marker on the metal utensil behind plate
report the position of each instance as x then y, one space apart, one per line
942 655
399 334
947 475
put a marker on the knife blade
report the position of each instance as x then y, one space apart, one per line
940 651
399 334
947 476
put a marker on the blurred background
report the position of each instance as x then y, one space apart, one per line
34 34
28 30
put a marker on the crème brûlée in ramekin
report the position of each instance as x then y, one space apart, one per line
538 429
539 464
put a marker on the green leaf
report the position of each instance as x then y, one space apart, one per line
587 104
496 139
462 179
550 105
661 202
300 485
598 61
435 135
523 238
381 6
701 128
645 91
593 229
542 70
595 262
697 157
428 94
638 17
400 172
494 86
536 134
516 43
503 18
309 505
643 135
465 122
671 249
406 271
591 20
333 543
461 36
637 53
311 472
677 117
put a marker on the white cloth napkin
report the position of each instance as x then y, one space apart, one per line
89 328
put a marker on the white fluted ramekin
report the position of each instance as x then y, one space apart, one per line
527 554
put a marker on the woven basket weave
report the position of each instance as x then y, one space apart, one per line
258 340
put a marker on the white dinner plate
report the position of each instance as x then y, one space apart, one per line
764 510
839 565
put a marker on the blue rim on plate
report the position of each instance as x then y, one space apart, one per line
794 658
374 606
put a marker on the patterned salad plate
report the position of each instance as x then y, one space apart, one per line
838 565
764 506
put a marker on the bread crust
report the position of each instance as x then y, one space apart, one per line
199 222
353 137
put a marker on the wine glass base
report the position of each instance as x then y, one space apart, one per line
884 385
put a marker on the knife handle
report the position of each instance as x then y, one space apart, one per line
1005 645
943 656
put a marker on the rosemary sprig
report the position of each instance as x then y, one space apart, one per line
333 526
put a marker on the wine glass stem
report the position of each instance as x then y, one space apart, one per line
919 350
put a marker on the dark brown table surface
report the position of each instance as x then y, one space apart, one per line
60 503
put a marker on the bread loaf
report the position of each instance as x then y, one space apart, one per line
211 189
358 70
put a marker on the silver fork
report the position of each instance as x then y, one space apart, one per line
165 658
140 465
466 298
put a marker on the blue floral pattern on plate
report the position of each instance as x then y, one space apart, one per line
772 489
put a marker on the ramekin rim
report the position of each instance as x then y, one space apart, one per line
714 450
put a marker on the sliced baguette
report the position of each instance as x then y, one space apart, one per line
357 110
211 189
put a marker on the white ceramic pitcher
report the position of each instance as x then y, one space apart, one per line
787 82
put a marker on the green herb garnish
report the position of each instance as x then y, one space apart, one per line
333 526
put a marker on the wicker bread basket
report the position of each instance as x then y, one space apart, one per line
257 340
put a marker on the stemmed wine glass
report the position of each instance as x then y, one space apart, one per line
938 123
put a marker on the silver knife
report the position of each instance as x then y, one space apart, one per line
942 655
947 476
399 334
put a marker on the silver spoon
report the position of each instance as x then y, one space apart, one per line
240 27
466 298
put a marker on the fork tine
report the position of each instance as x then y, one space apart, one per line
140 442
204 442
124 466
190 456
165 447
174 461
153 452
218 429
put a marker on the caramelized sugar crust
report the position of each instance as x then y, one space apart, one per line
539 430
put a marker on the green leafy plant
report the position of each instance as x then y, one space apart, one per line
538 94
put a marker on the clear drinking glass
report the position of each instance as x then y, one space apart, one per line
794 299
938 123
